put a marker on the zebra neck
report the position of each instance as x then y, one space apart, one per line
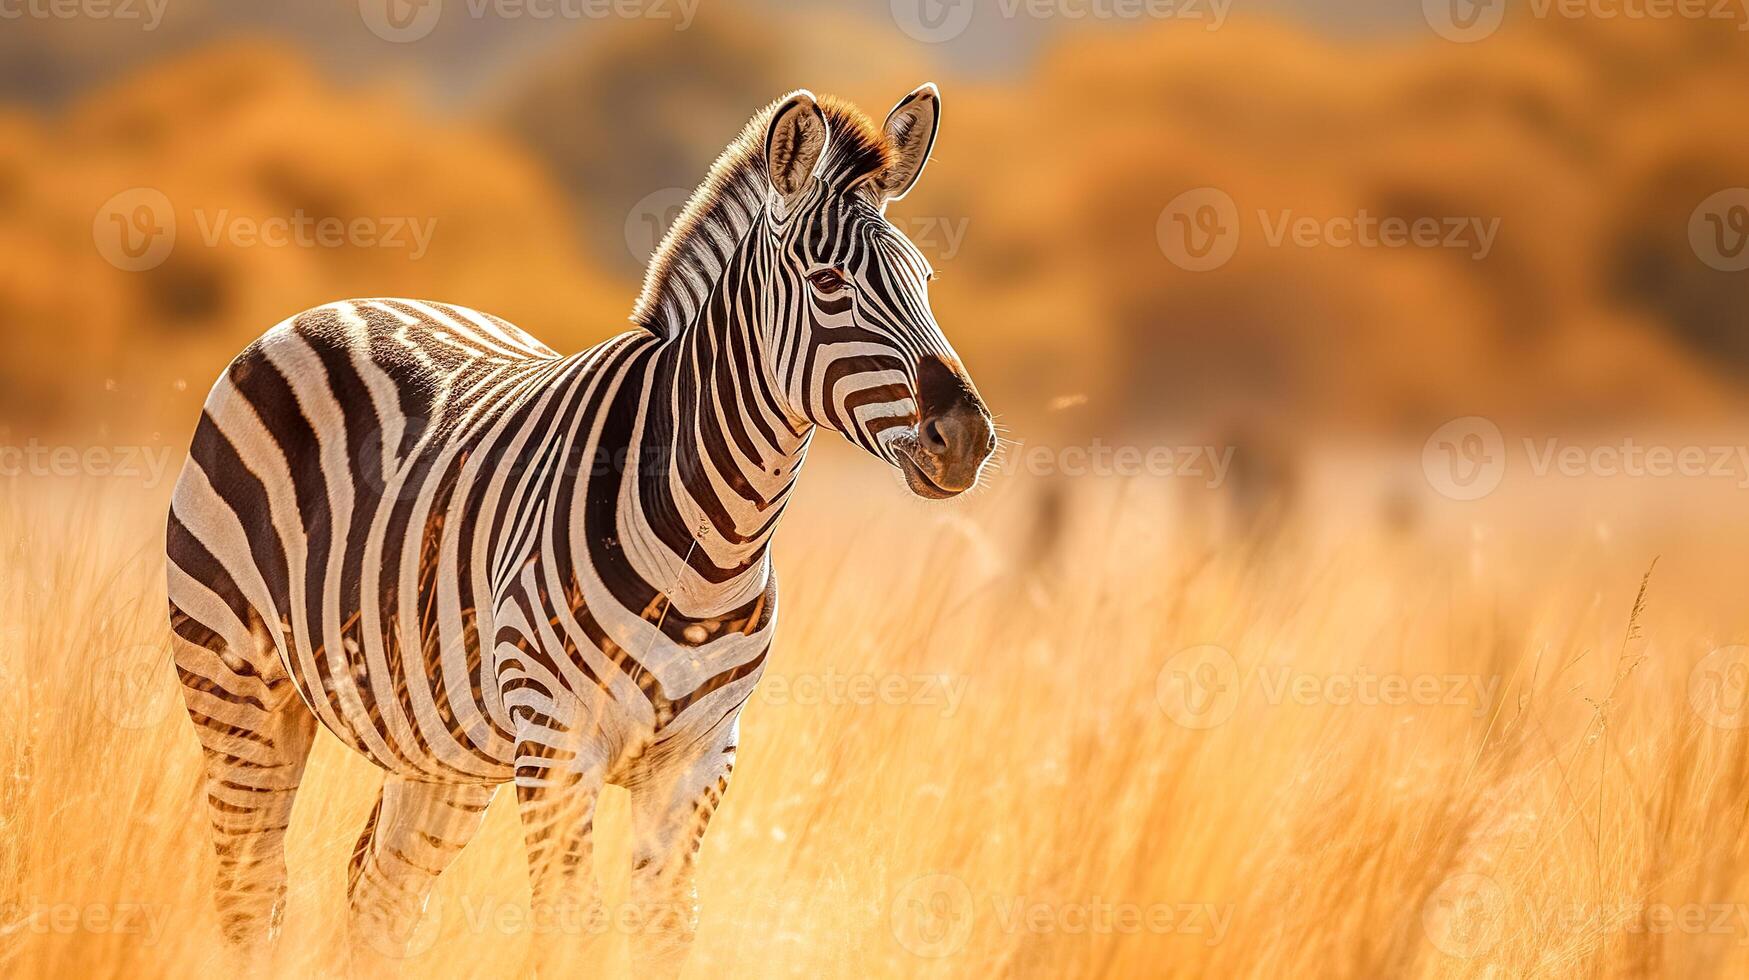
718 454
711 236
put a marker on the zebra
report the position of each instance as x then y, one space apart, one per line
477 562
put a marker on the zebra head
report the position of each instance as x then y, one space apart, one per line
849 329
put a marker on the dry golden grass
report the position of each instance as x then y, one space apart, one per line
1053 819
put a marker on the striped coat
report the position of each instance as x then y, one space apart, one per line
478 562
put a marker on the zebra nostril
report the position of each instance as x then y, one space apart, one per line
931 436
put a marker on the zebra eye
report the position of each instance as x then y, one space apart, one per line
826 280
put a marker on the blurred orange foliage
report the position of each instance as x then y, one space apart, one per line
1588 142
233 137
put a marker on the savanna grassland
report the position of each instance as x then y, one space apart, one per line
1065 727
1109 736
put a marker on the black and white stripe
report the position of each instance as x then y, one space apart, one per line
477 562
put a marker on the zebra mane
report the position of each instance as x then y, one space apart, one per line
721 209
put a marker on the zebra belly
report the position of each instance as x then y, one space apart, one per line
400 705
568 685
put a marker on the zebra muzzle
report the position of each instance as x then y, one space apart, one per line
954 434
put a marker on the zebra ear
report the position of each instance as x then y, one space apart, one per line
794 142
911 130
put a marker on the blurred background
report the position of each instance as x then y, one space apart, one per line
1308 280
1416 213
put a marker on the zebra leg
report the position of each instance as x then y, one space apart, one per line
556 792
413 834
672 805
256 737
